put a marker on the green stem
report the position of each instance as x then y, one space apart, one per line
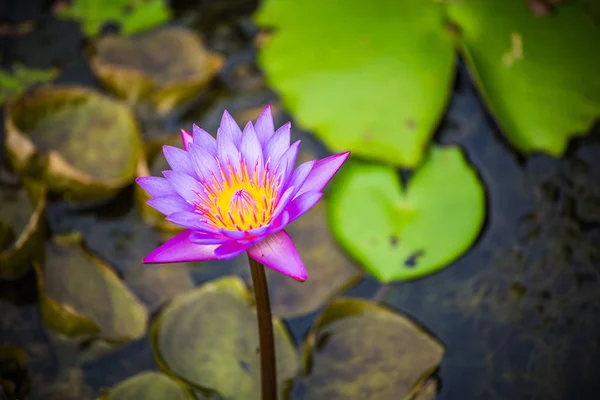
268 373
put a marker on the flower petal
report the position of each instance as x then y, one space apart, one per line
283 201
186 138
192 221
205 140
264 126
280 222
186 186
322 173
251 150
278 144
230 250
229 128
287 161
302 204
231 234
206 238
278 252
156 186
179 249
204 163
228 154
170 204
179 160
300 174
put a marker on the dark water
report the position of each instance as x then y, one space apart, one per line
518 313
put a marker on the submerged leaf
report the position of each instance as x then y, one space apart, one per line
358 348
538 75
169 66
402 234
79 141
21 228
208 338
374 79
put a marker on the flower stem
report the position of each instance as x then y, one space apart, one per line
268 373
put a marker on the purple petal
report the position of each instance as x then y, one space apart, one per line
283 201
302 204
170 204
229 250
180 249
260 231
186 138
186 186
229 128
300 174
205 140
179 160
278 252
251 149
192 221
278 144
322 173
205 238
204 163
287 161
264 126
156 186
231 234
280 222
228 154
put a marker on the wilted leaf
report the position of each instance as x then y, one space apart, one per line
371 79
79 141
149 386
209 338
21 228
402 234
538 74
169 65
358 349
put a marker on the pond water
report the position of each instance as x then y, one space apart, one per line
518 314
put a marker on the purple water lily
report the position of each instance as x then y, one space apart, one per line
237 193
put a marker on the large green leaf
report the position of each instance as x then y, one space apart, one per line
209 339
402 234
358 349
374 79
149 386
538 74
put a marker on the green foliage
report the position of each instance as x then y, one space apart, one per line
398 233
20 79
132 15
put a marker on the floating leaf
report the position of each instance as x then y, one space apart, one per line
208 338
133 15
358 348
538 74
21 228
81 296
374 80
149 386
169 65
21 79
81 142
402 234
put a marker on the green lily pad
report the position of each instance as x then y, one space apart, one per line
209 339
538 74
403 234
22 78
21 228
149 386
373 80
132 15
79 141
169 66
81 296
359 348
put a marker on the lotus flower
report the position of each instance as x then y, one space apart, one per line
237 193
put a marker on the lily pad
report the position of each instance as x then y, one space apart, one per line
373 80
149 386
22 78
82 297
21 228
359 348
169 66
537 74
79 141
209 339
403 234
